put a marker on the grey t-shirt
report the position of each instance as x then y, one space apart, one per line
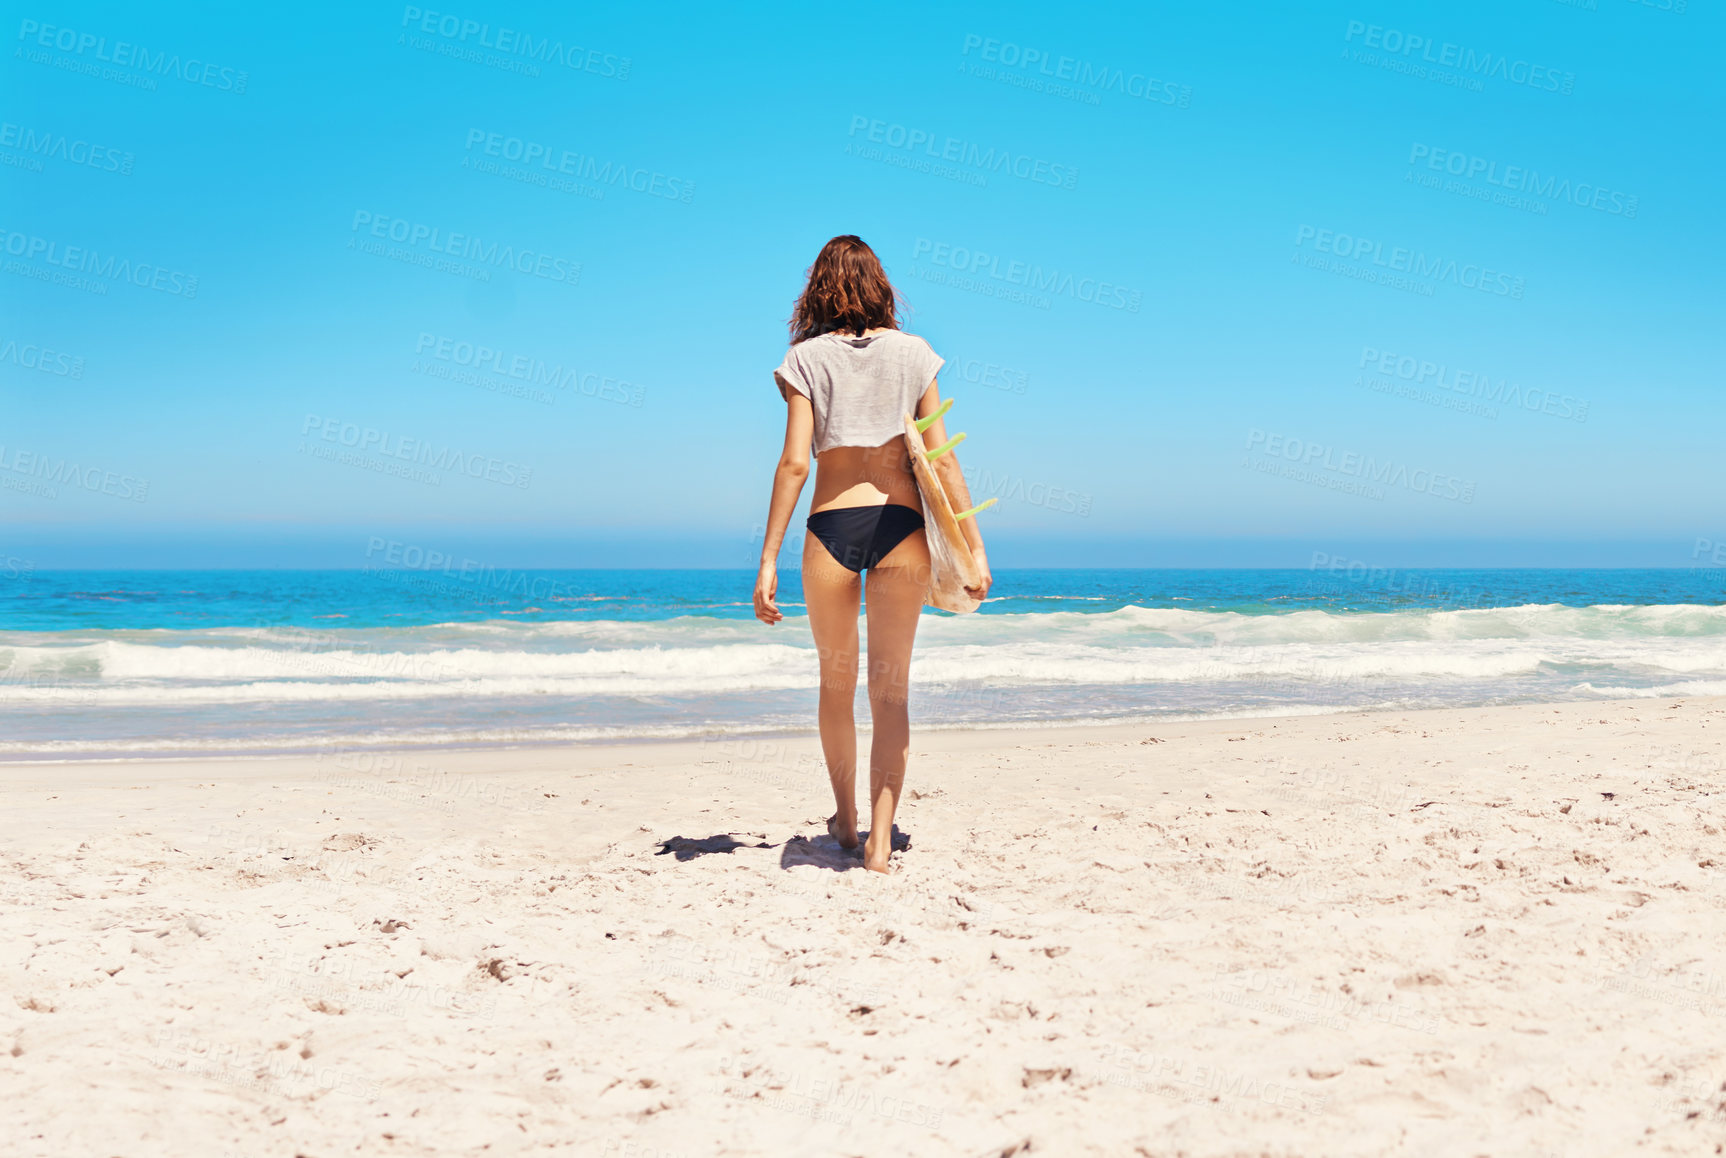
860 388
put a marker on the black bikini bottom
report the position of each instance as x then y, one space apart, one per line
860 537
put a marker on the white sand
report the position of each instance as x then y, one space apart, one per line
1455 932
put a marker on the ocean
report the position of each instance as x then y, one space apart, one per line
145 664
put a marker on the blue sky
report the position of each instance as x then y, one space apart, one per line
1426 283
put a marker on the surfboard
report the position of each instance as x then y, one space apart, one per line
951 564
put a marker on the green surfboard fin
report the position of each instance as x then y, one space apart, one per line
982 506
945 447
923 424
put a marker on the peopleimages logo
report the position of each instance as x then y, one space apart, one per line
979 372
975 263
369 440
33 465
1473 383
1518 179
42 359
569 163
527 369
1083 73
954 150
1008 488
1418 585
85 260
73 151
1468 275
466 247
1401 46
510 42
124 55
1359 467
395 554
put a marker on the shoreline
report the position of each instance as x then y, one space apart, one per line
810 733
1482 930
1290 712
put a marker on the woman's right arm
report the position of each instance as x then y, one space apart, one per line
788 478
953 482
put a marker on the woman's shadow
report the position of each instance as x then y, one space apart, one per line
824 852
821 851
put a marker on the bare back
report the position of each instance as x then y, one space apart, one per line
864 476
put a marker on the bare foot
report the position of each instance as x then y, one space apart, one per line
875 856
845 835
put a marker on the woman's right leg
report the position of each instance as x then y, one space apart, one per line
831 593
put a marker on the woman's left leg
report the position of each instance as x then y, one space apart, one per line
830 593
897 588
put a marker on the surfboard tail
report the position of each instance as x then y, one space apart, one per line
952 565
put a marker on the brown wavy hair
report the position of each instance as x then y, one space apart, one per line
847 290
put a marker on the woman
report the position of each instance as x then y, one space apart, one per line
848 381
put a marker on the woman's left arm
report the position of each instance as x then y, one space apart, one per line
788 479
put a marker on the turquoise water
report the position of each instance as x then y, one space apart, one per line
140 663
403 597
